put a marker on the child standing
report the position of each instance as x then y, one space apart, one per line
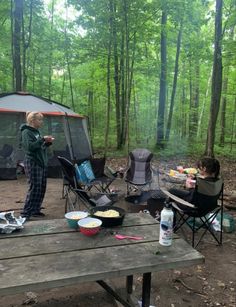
35 163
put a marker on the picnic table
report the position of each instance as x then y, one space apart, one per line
47 254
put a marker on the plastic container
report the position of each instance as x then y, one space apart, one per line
166 225
89 226
74 216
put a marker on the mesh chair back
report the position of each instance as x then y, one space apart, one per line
139 171
68 170
207 195
98 166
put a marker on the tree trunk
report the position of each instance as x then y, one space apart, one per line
12 46
168 126
26 45
203 105
116 73
233 125
126 76
123 88
91 114
216 81
63 88
33 73
136 130
129 89
18 15
193 119
223 108
108 95
183 131
224 98
50 54
71 86
162 95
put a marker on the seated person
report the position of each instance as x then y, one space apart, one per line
209 169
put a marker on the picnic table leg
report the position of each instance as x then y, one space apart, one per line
146 289
105 286
129 284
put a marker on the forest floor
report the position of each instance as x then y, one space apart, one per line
210 284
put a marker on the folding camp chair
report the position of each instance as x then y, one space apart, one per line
75 194
139 173
101 183
200 216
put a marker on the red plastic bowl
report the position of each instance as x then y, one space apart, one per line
88 230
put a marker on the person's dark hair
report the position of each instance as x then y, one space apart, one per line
212 165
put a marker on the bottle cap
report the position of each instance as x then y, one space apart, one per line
167 204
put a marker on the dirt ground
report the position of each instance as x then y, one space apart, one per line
211 284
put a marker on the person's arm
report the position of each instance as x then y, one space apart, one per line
30 142
190 182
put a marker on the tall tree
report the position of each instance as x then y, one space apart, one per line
162 94
194 103
168 126
112 5
108 84
216 81
18 18
26 40
51 52
228 60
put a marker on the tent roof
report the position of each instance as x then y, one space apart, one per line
25 102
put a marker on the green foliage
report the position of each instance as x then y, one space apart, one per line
73 52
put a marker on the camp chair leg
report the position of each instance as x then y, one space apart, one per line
180 219
206 223
64 190
221 221
73 202
178 224
193 231
127 189
70 204
208 228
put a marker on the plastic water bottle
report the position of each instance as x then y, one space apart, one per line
166 225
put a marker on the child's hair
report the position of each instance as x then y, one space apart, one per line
212 166
31 116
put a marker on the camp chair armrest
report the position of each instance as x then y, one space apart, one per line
109 172
80 190
177 199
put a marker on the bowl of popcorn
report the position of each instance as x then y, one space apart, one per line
74 216
89 226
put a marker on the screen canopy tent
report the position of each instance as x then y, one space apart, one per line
67 127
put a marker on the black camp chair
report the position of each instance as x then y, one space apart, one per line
208 205
139 173
75 194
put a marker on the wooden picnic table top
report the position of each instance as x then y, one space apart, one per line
47 254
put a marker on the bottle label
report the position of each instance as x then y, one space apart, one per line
166 230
